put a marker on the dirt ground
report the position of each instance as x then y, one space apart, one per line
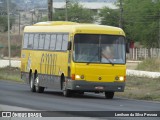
132 64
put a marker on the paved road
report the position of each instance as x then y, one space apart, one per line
18 94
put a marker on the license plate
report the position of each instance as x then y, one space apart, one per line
99 88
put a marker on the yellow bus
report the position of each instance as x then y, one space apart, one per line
74 58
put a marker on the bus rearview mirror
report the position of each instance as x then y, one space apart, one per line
127 47
69 45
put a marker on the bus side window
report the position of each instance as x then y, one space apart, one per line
59 42
30 43
47 41
53 41
65 42
36 40
25 41
41 41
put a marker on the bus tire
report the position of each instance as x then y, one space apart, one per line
38 88
66 92
81 92
109 95
32 84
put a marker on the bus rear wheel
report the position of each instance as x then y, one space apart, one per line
66 92
38 88
109 95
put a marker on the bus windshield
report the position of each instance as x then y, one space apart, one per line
94 48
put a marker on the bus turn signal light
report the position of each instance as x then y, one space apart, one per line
73 77
121 78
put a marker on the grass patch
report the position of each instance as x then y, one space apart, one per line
141 89
10 73
149 65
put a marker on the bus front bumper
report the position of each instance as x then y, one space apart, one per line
81 85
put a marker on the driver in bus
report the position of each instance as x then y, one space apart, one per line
107 53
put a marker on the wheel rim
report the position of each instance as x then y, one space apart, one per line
31 83
37 82
64 88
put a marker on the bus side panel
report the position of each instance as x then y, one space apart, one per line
50 66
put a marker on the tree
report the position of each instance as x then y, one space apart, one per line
3 18
141 21
3 24
109 16
76 13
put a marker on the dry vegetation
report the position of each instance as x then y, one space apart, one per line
150 64
142 88
16 41
9 73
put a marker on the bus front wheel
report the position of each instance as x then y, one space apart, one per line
66 92
109 95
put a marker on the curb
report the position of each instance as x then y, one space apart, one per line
143 73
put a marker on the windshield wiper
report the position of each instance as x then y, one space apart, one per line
108 60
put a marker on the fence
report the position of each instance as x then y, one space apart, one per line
143 53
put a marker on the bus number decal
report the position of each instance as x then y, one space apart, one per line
28 63
48 64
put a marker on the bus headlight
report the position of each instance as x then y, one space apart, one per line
78 76
121 78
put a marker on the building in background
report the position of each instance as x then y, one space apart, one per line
89 4
60 4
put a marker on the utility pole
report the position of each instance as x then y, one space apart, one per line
66 10
159 34
9 46
32 17
121 14
50 7
19 23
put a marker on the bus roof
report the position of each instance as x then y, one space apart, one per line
73 27
54 23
